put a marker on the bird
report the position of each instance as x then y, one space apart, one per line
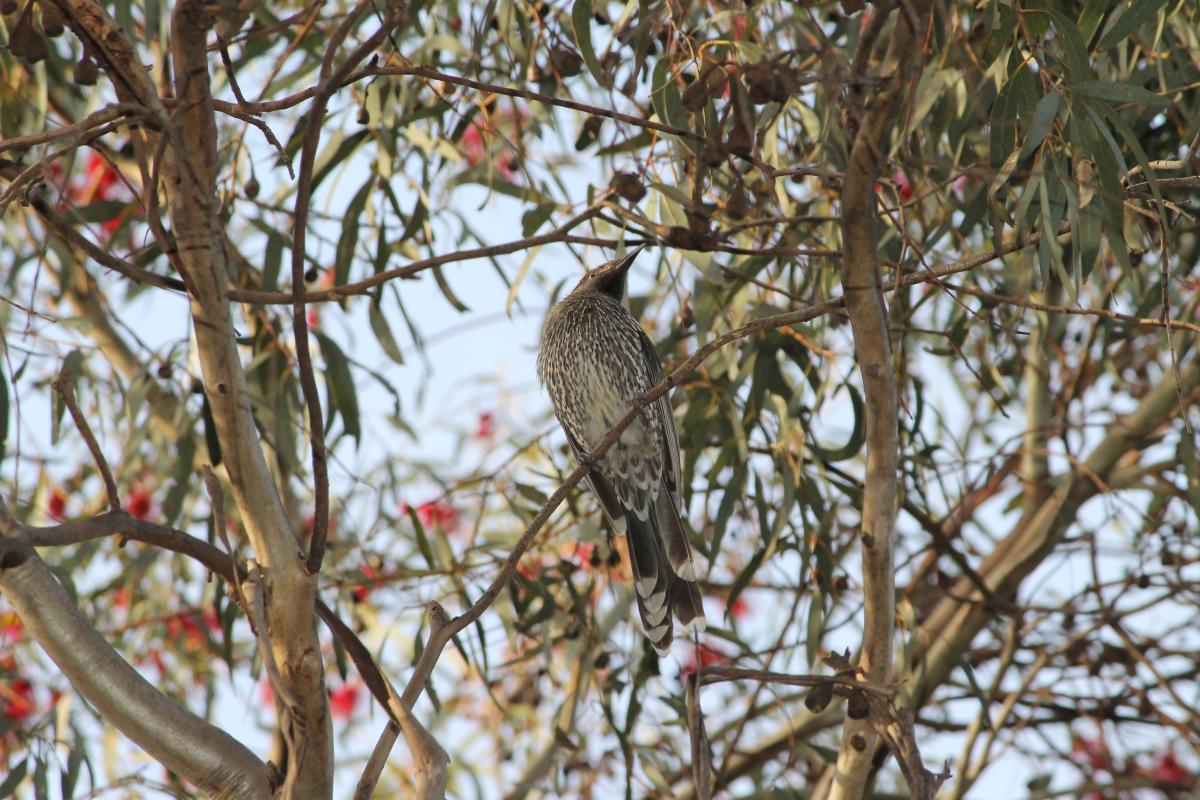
595 360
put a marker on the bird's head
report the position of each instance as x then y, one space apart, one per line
608 278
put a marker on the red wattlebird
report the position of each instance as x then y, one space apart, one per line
595 360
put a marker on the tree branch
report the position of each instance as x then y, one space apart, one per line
64 386
199 752
869 321
329 81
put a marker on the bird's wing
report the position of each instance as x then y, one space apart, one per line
669 502
651 582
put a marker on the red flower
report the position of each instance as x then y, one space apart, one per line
211 620
101 179
1093 752
903 184
1167 769
343 700
184 625
530 567
709 657
121 597
740 608
439 513
363 590
18 699
56 506
477 138
11 629
139 503
583 554
485 428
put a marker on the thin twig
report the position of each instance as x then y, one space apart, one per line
330 78
438 619
64 385
96 119
216 497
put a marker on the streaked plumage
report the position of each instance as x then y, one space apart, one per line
595 360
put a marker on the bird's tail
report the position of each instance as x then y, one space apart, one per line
652 582
658 553
680 561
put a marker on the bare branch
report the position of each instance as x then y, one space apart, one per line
203 754
64 386
870 324
82 130
329 81
429 755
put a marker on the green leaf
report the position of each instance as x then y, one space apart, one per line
732 493
211 442
744 577
3 413
447 292
1018 98
72 364
1189 461
272 260
185 454
1074 49
70 775
348 241
1043 118
337 151
1091 17
1120 93
1135 14
383 332
536 217
814 628
581 23
1143 160
526 263
857 436
14 779
422 539
342 395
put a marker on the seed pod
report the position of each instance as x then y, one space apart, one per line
710 83
589 134
713 154
566 61
737 207
364 116
787 83
741 140
760 82
678 236
694 96
741 135
86 72
52 20
628 186
251 188
26 43
858 707
818 698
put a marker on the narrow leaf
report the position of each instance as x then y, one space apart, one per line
343 397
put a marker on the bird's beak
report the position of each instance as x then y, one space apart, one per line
626 261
